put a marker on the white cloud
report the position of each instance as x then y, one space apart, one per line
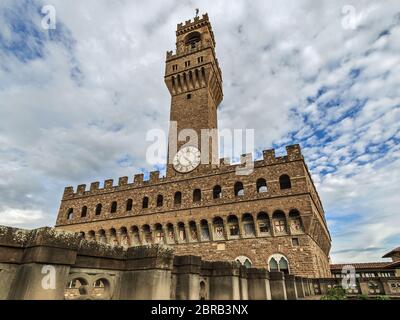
72 115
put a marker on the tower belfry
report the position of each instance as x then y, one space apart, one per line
194 80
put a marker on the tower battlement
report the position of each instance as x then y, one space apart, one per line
293 153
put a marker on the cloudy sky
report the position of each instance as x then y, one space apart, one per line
76 102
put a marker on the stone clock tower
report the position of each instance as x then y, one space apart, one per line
194 80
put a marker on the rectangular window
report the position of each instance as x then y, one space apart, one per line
174 67
295 242
187 64
200 59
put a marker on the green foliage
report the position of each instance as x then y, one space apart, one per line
382 297
337 293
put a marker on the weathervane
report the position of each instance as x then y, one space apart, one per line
197 12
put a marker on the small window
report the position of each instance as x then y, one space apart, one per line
200 59
70 214
239 190
284 182
145 203
174 67
217 192
84 212
178 198
113 207
197 195
129 205
187 64
295 242
261 185
189 96
98 209
160 200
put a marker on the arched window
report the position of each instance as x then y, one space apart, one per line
261 185
147 234
284 182
170 233
248 225
124 237
113 207
233 225
217 192
98 209
244 261
159 234
239 190
102 236
218 228
160 200
181 231
193 231
273 265
84 212
205 231
145 203
197 195
278 262
135 235
129 205
70 214
279 221
82 235
91 235
193 38
263 223
178 198
113 237
296 225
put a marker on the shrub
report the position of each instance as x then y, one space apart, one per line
337 293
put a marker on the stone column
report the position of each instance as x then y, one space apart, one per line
299 287
364 286
243 283
148 274
258 284
224 282
256 227
44 264
187 274
277 284
306 287
291 290
210 230
187 232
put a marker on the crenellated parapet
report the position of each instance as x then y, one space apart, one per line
225 165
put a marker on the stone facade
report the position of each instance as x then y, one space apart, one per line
215 212
45 264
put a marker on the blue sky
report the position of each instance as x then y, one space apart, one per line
76 102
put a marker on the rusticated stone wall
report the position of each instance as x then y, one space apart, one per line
305 241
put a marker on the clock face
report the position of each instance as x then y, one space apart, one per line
187 159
